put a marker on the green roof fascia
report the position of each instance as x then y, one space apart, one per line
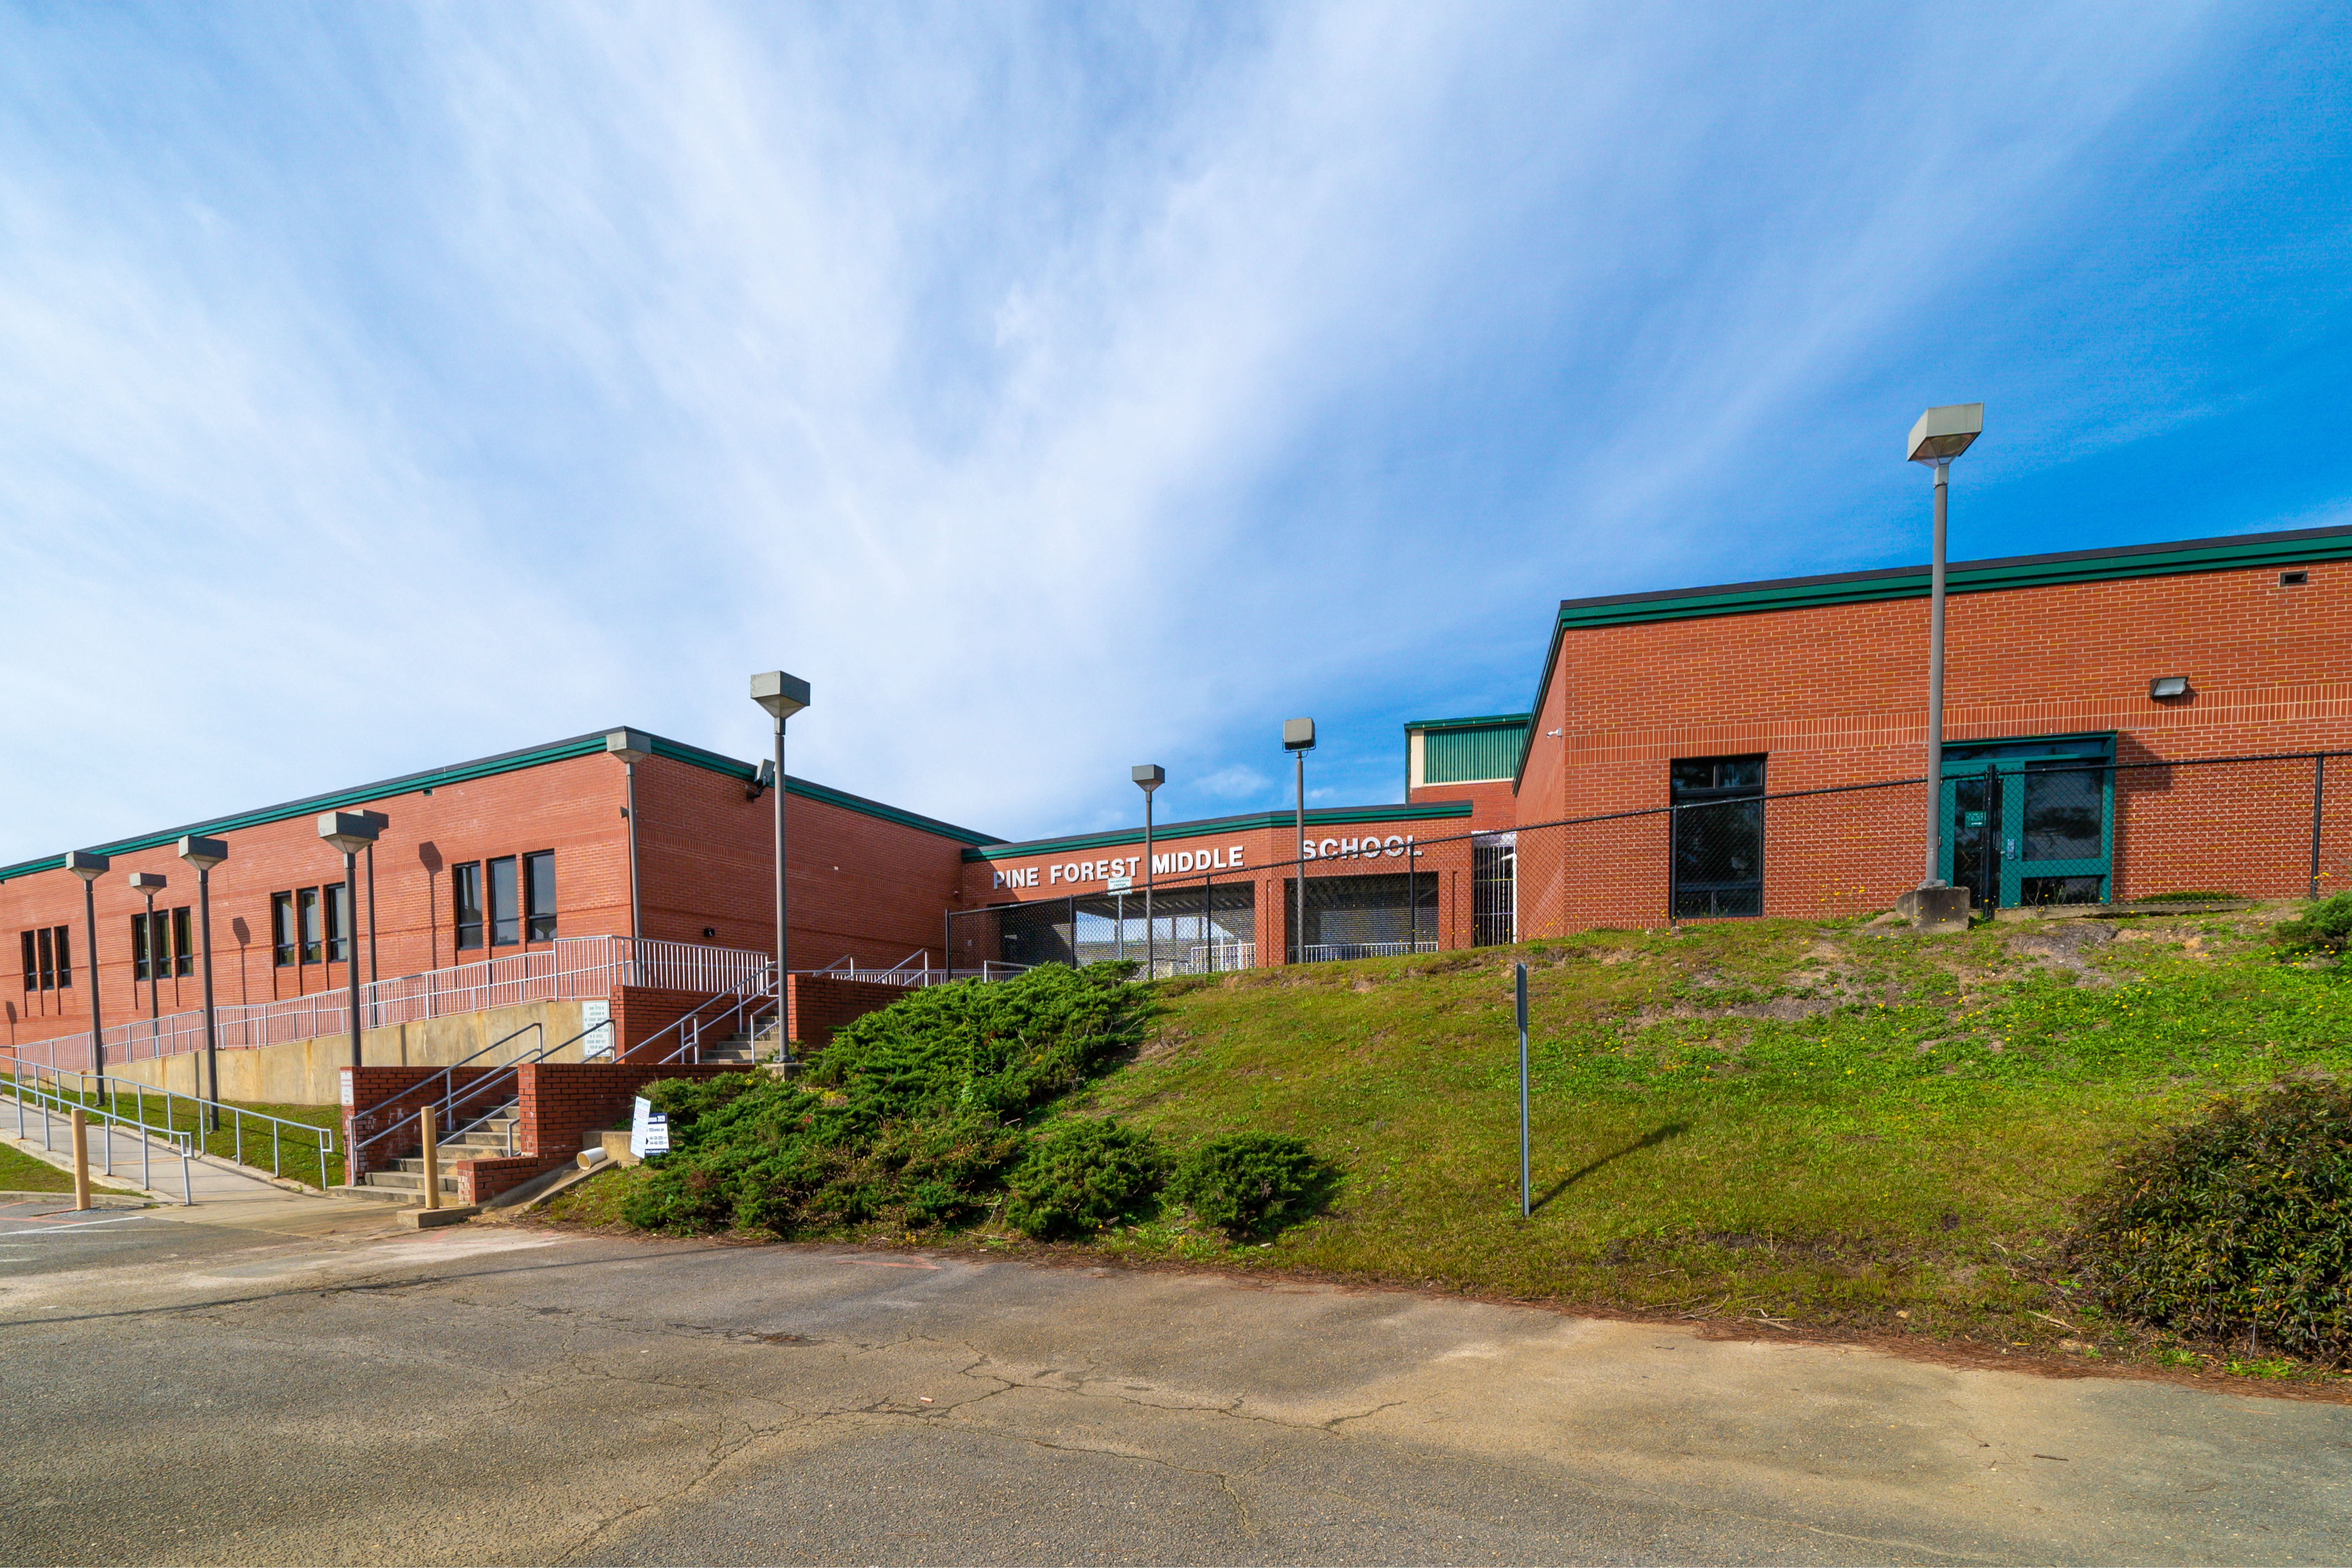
1492 720
2234 553
2177 559
489 767
1330 818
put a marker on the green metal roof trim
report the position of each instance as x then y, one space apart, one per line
2238 552
1470 756
1492 719
1432 811
2245 551
489 767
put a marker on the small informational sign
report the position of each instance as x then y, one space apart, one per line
649 1130
1122 884
596 1027
349 1099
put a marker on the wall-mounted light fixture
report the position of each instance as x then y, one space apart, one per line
2165 688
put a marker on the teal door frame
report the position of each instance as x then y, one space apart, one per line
2016 762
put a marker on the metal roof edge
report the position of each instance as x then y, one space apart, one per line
1492 720
487 767
2164 559
1435 811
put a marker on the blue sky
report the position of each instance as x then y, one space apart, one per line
1061 388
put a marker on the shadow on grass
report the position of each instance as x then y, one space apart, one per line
1649 1140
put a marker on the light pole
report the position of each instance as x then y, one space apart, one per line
381 822
1147 776
90 867
632 747
350 832
1299 739
783 696
1940 435
204 854
151 882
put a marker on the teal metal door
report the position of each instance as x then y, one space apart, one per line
2031 821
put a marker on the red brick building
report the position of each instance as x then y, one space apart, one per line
507 856
2119 724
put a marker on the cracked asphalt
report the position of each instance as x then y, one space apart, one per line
297 1382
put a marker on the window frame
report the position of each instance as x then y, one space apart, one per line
335 899
505 930
184 956
464 878
1714 797
285 936
309 927
538 924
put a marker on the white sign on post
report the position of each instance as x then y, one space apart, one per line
648 1131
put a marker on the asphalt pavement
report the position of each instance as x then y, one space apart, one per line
300 1382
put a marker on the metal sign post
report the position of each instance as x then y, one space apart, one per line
1524 1185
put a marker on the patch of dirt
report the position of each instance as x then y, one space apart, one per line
2065 944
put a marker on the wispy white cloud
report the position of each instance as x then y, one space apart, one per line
1053 389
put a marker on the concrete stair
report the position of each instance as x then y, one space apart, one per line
405 1182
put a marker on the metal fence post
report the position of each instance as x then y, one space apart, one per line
2318 795
1526 1168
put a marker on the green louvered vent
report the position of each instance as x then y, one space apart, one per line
1466 755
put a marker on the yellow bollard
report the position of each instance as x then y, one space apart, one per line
81 1158
432 1159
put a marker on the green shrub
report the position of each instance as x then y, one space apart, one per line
1081 1177
910 1117
2237 1226
1252 1184
2325 927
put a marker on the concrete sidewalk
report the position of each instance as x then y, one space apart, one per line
119 1156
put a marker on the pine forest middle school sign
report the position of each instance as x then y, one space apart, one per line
1079 874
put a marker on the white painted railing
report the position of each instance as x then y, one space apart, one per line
573 968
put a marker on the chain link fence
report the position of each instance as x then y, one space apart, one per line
2019 829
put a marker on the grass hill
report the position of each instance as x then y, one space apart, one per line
1823 1124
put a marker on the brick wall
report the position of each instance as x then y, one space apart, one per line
562 1102
376 1098
820 1003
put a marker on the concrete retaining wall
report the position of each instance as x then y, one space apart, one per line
308 1071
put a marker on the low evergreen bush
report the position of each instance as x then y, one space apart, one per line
2235 1227
910 1117
1252 1184
1081 1177
2325 927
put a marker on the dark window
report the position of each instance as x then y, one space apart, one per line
46 968
339 922
32 967
1718 815
2064 805
281 928
140 967
2041 890
506 922
64 945
466 902
183 954
538 890
314 942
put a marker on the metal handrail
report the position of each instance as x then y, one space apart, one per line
443 1102
512 1071
743 1001
106 1104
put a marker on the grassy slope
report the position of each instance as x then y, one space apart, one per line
1811 1121
23 1173
298 1159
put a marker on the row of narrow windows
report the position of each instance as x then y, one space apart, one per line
502 902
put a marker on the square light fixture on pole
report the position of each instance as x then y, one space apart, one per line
1938 436
1299 739
783 696
1147 776
90 866
149 884
632 747
204 854
350 832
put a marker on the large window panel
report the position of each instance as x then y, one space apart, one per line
314 934
506 918
339 922
539 891
1718 861
466 904
282 934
